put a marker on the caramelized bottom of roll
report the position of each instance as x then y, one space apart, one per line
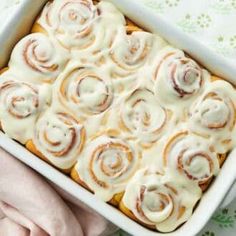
116 199
206 184
130 214
4 70
75 176
131 27
222 158
95 2
37 28
215 78
32 148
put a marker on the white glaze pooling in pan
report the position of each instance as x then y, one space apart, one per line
210 200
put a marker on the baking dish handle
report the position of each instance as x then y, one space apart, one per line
231 195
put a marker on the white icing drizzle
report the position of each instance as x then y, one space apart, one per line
85 90
159 200
71 21
178 79
106 165
142 116
130 52
36 58
104 32
79 25
191 156
59 137
213 115
20 105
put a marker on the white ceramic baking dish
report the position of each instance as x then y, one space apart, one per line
210 201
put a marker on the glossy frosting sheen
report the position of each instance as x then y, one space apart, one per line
159 200
107 163
131 115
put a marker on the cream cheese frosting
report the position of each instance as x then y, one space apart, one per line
213 115
178 79
20 105
130 52
128 112
86 90
36 58
107 163
59 137
70 21
157 199
192 156
140 117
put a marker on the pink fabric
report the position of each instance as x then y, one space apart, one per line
29 206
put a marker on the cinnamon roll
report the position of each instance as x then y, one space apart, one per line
213 115
191 156
58 138
73 22
70 21
178 79
158 201
106 165
130 52
104 33
36 58
20 105
142 116
85 90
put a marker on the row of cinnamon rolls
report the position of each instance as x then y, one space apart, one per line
132 119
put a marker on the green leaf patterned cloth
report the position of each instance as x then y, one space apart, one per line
223 222
212 22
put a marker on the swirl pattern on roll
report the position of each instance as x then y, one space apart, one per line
131 52
21 100
177 77
159 201
20 104
85 90
213 115
142 116
37 58
59 137
103 33
106 165
71 21
191 156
